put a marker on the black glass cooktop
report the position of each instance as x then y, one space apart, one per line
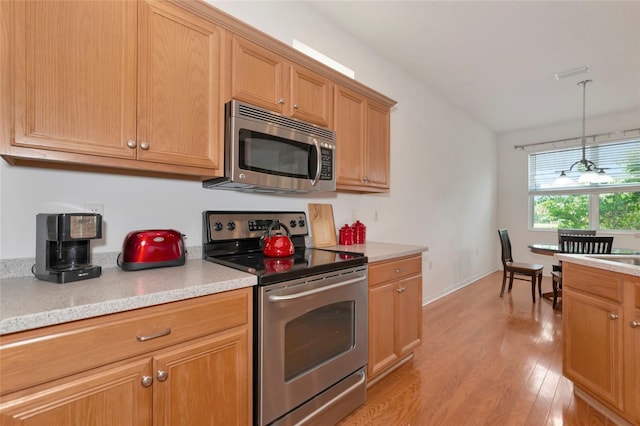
304 262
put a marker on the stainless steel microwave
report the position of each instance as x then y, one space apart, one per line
269 152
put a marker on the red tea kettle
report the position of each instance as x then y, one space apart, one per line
277 245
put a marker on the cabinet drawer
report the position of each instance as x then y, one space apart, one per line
380 272
41 355
593 281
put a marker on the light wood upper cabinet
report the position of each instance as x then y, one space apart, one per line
75 76
263 78
362 152
121 84
180 113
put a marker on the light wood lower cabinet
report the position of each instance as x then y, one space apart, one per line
395 312
601 336
184 381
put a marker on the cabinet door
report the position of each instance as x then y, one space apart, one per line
207 382
382 328
257 75
112 397
180 116
592 346
311 97
409 311
632 348
377 146
75 76
350 109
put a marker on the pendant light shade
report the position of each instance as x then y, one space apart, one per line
590 173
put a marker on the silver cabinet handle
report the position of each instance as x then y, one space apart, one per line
634 324
146 381
612 316
131 144
144 145
281 101
162 375
401 290
166 332
295 106
398 270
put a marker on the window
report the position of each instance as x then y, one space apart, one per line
611 204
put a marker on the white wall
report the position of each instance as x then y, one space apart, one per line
443 173
513 185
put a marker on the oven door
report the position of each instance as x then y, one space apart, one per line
312 333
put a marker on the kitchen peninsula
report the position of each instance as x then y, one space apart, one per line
601 332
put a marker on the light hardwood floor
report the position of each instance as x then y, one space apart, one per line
484 360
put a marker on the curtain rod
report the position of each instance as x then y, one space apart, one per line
594 136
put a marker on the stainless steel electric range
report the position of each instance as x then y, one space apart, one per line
310 319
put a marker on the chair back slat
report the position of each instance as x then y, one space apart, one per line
506 246
576 232
585 244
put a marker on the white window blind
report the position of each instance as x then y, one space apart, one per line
621 161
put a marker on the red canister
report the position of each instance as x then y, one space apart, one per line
346 235
359 232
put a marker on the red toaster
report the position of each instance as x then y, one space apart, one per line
152 248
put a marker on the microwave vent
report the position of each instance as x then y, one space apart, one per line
247 111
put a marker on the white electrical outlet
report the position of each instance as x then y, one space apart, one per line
94 208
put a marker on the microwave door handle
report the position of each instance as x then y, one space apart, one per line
318 162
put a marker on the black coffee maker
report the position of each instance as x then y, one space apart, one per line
63 246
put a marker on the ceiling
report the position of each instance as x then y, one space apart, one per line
497 59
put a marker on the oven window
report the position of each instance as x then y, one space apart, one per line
274 155
318 336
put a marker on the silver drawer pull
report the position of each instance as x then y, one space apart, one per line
399 270
612 316
154 336
634 324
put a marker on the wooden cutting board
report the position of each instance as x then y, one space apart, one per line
323 228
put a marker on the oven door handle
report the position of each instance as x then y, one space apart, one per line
315 290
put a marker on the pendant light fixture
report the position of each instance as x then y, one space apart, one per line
591 173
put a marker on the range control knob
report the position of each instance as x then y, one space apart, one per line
293 223
301 223
231 226
217 226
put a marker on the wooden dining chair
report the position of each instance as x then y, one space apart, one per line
517 270
576 232
578 244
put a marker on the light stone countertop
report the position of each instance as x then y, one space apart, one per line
27 303
609 262
377 252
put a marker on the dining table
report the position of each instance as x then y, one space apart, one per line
551 249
